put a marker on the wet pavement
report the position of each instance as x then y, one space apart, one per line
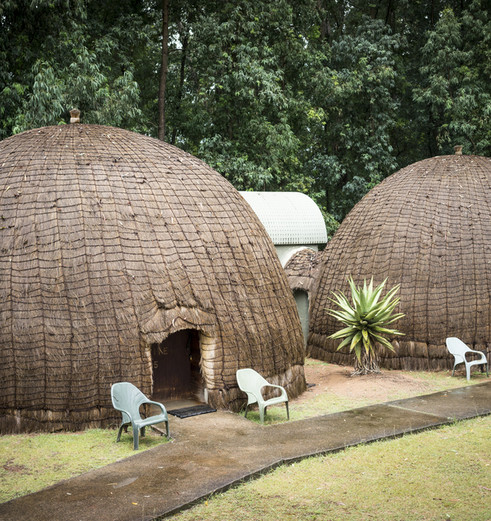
213 452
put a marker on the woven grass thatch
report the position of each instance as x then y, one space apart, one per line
111 242
301 269
427 227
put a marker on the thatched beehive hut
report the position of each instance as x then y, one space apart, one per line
124 258
300 271
427 227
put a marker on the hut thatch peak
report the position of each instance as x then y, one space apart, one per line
74 116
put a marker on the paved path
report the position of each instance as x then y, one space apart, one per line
214 451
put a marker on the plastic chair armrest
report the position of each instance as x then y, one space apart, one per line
283 392
162 407
124 411
483 356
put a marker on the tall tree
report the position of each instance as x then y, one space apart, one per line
163 68
353 113
74 59
456 81
239 120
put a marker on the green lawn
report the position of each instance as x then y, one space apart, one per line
31 462
437 475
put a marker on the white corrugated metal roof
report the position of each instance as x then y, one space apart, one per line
289 217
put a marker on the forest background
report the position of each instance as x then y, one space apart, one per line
325 97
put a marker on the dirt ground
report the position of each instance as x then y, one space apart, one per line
377 387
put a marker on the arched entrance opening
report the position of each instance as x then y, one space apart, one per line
176 367
302 301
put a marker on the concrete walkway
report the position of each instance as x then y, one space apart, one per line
214 451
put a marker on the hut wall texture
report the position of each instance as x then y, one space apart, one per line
428 228
111 241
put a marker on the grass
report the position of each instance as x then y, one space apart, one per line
31 462
438 475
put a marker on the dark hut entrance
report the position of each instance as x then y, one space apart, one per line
302 301
176 367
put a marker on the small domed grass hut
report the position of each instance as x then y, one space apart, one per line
428 228
300 271
123 258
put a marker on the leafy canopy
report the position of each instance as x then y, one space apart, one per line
325 97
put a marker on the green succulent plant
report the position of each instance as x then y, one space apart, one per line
366 320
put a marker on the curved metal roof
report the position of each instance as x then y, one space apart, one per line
289 217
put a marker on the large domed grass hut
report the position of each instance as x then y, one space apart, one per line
428 228
125 258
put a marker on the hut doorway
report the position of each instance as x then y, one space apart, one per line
176 367
302 301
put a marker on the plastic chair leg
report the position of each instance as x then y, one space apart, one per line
262 412
136 431
287 411
119 432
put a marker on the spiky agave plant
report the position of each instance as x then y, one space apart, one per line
366 321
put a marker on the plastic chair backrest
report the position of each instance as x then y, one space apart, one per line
127 398
456 347
250 381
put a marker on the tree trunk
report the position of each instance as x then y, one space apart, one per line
164 67
185 40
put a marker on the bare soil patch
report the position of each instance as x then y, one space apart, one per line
374 387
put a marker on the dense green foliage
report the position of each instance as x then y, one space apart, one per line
326 97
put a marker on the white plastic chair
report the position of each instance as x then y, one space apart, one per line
127 399
458 349
252 383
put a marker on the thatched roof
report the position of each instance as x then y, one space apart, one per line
111 241
302 268
427 227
